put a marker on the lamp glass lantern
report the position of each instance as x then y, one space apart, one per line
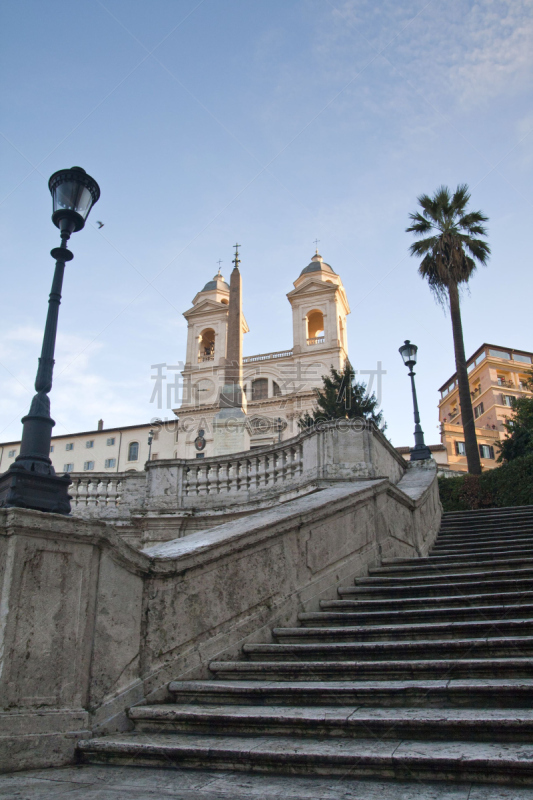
408 352
73 195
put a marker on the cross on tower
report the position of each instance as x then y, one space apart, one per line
236 260
316 244
219 262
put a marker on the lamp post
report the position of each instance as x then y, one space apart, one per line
31 481
420 451
150 440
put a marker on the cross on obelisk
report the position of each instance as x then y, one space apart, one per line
316 244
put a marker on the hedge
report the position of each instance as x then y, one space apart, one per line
508 485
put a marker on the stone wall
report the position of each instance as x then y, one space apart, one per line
90 626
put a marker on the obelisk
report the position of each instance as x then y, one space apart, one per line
231 432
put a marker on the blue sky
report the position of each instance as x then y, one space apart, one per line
271 123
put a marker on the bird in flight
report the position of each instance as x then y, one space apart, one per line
100 224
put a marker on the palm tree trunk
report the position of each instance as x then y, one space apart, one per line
467 415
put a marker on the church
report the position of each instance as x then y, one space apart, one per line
276 388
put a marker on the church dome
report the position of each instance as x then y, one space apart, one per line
218 282
317 265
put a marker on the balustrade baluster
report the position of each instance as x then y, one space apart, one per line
112 493
83 491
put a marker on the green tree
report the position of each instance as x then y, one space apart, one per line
519 440
450 252
342 397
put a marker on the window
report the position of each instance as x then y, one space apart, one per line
11 453
155 456
276 391
478 410
133 451
460 449
200 455
88 465
500 354
315 326
110 463
89 443
51 448
69 446
68 468
260 389
525 359
486 451
207 345
177 435
110 442
507 400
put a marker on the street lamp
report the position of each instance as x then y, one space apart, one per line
31 481
150 440
408 352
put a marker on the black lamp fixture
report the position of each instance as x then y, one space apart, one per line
150 440
31 481
408 352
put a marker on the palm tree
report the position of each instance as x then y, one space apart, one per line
449 258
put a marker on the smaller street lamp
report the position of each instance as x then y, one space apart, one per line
31 481
420 451
150 440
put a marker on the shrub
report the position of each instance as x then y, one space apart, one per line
508 485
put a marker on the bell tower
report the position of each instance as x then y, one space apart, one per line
319 311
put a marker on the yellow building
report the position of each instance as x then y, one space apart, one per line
496 375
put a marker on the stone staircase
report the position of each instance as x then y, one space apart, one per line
423 670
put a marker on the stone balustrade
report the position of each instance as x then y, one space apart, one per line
244 473
340 450
103 495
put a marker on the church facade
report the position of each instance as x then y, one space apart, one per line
277 387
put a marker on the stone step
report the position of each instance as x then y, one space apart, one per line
442 574
499 553
483 540
436 565
480 552
401 760
410 616
503 725
427 693
411 631
410 603
490 647
437 588
513 668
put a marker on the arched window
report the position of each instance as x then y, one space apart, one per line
260 389
276 391
133 451
315 327
207 345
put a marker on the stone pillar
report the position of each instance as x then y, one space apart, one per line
230 425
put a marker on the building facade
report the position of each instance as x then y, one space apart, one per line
278 387
112 450
496 376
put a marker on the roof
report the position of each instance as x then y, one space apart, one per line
155 424
317 265
433 447
478 352
218 282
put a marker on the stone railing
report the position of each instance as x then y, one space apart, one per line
267 356
245 473
316 340
334 451
102 494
